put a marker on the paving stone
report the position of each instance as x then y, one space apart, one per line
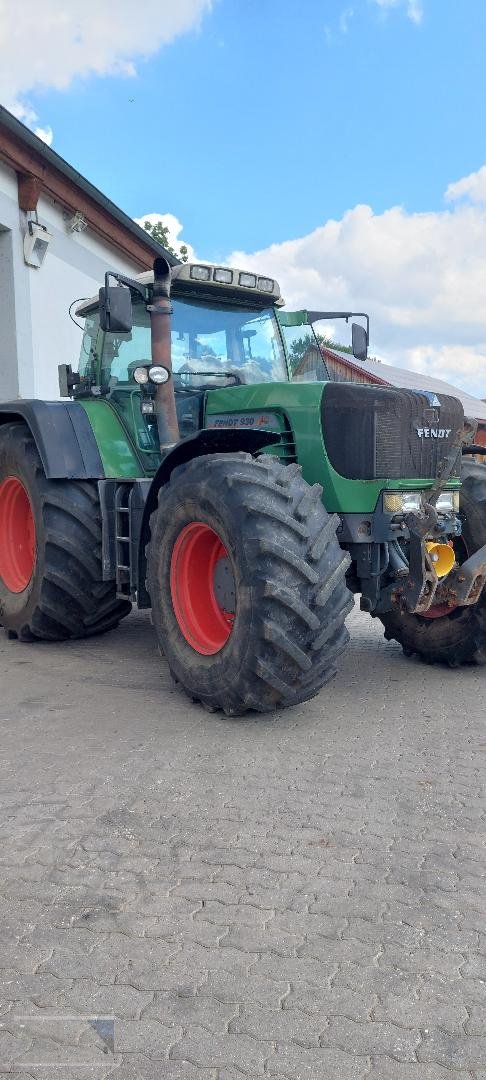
210 1051
233 914
87 996
349 950
232 988
140 1067
298 1063
297 970
146 1036
385 1069
271 940
312 925
21 957
185 1009
424 1011
375 1038
453 1051
277 1025
331 1001
43 989
476 1023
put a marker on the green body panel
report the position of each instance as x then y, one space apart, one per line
299 404
296 406
114 444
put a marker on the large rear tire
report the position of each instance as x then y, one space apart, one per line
247 583
459 637
51 584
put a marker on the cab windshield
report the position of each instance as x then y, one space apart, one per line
210 346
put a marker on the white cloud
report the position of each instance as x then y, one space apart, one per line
175 227
345 19
48 45
421 277
472 187
413 8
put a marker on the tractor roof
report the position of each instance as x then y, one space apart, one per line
208 282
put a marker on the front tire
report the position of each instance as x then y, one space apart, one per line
247 583
460 636
51 582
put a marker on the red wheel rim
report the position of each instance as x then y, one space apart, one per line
204 622
17 535
437 611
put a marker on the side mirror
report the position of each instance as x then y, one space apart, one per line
115 309
68 379
359 339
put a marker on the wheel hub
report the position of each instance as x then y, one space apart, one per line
17 535
202 588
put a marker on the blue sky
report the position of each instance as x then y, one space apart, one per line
277 114
337 145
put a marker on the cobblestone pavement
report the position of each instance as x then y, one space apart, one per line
191 897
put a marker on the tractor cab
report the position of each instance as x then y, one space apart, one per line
223 332
227 329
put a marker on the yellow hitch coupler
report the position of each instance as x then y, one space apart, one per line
442 557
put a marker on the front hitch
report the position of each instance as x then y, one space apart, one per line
421 584
464 585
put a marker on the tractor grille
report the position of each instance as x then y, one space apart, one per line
373 432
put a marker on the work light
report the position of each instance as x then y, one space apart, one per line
223 275
201 273
248 280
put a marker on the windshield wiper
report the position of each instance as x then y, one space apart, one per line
212 375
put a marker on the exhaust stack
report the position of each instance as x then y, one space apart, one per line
160 311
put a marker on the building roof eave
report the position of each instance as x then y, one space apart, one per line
25 152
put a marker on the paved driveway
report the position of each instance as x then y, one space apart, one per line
300 897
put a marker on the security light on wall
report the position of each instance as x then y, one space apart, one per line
36 243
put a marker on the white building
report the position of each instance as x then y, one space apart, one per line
58 236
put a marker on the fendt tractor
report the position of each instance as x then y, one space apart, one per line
203 464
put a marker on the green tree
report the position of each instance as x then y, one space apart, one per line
300 346
160 233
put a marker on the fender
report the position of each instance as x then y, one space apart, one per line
63 436
206 441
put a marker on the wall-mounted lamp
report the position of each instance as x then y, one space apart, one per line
36 243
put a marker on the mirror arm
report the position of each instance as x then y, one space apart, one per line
131 283
316 316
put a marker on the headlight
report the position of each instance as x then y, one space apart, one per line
266 284
448 502
401 502
141 375
159 375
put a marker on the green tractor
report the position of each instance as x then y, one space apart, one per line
203 464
